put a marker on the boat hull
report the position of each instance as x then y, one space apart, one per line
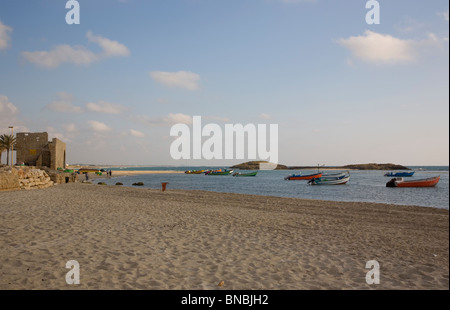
304 177
220 173
429 182
251 174
336 175
337 181
399 174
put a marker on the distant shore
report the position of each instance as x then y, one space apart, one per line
129 238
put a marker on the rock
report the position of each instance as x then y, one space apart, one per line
138 184
118 183
373 166
255 165
25 178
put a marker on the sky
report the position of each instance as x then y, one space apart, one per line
341 90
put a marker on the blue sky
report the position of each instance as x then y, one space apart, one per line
341 91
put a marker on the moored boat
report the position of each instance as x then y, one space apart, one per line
220 172
304 177
399 174
400 182
194 171
330 181
336 175
250 174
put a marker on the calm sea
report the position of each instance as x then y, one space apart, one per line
367 186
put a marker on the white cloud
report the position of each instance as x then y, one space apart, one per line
8 116
60 54
99 126
180 79
78 55
178 118
137 133
7 109
380 48
409 25
52 132
110 47
444 15
105 107
64 104
70 128
4 35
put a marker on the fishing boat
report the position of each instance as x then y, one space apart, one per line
399 174
330 181
335 175
400 182
250 174
304 177
194 171
220 172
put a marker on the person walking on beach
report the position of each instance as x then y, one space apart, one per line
87 177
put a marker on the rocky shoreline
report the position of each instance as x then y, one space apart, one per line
27 178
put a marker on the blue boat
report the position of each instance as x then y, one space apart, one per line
399 174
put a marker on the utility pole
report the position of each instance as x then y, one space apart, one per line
12 145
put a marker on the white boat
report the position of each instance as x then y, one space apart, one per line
335 175
330 181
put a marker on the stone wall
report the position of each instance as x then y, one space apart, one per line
62 177
32 178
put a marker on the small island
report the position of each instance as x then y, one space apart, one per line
373 166
255 165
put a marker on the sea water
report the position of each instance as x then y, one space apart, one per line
368 186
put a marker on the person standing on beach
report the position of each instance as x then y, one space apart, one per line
87 177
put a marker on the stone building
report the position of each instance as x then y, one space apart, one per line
34 149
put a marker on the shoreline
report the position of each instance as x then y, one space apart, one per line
141 238
95 177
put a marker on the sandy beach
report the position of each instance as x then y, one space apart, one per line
135 238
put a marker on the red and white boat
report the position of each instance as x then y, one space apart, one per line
400 182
